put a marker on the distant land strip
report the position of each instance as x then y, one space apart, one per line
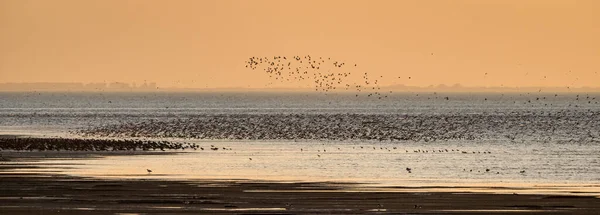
153 87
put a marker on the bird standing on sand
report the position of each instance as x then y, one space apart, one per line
149 171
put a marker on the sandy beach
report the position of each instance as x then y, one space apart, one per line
51 193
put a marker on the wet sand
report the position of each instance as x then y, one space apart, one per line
50 193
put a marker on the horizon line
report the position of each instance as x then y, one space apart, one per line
152 87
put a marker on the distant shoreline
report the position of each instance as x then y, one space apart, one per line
594 91
152 87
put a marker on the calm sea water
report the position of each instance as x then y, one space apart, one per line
574 163
58 111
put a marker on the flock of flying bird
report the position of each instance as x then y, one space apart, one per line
324 74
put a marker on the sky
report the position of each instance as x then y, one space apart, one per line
203 44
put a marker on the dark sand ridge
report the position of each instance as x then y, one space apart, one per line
79 144
30 193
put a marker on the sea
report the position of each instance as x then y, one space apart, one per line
513 142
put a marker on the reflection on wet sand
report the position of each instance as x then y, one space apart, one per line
549 168
29 186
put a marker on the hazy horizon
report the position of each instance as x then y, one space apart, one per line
153 87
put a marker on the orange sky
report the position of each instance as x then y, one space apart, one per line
205 43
